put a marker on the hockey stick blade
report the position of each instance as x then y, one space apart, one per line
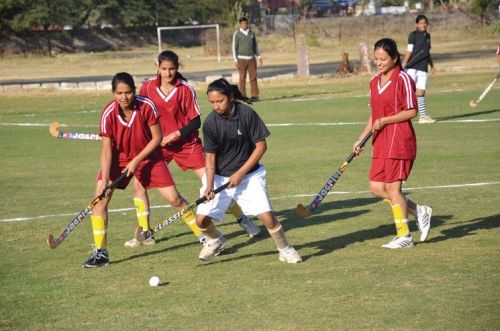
55 242
305 211
473 103
54 131
141 235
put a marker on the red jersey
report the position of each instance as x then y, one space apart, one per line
396 140
128 139
177 109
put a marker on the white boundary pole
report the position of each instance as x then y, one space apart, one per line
216 26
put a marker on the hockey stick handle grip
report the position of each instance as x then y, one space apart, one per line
217 190
112 186
360 145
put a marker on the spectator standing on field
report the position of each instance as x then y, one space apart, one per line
234 139
417 59
393 106
245 55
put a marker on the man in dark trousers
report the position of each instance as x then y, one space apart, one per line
245 55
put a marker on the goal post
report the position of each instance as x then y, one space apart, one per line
205 26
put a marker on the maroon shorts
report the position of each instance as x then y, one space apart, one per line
390 170
152 173
187 157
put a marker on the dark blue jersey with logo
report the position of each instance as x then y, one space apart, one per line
233 138
420 55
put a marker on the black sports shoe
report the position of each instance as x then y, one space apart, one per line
254 99
99 258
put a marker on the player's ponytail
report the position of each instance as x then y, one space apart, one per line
391 48
221 85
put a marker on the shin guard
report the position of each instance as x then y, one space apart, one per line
400 220
235 210
190 219
210 231
99 230
142 214
278 234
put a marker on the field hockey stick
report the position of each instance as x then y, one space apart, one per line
54 243
473 103
141 235
413 59
306 211
54 131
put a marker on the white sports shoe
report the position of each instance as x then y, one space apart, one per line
211 248
250 228
400 242
426 120
133 243
424 214
289 255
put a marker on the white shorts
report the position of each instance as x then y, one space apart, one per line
420 78
250 195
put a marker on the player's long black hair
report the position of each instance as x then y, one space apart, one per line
391 48
125 78
223 86
171 57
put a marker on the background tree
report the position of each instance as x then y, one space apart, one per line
45 15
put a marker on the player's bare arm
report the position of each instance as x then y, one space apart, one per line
106 155
368 127
210 175
150 147
402 116
406 58
171 137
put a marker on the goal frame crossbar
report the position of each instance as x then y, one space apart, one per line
180 27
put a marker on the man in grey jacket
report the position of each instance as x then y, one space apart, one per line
245 55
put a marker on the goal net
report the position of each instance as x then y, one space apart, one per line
205 26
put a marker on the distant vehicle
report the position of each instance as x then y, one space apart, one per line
322 8
344 7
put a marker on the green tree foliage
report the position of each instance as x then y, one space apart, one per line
19 15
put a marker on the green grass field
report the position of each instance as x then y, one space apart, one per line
346 282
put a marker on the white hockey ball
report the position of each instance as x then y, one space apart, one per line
154 281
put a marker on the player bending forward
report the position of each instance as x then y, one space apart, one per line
234 141
393 105
131 136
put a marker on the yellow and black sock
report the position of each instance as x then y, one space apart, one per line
142 214
400 220
99 230
189 218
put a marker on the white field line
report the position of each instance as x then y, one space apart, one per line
485 120
437 187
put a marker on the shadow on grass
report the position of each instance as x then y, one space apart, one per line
468 228
484 112
229 236
326 246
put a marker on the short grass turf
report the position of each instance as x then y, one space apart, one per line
346 282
